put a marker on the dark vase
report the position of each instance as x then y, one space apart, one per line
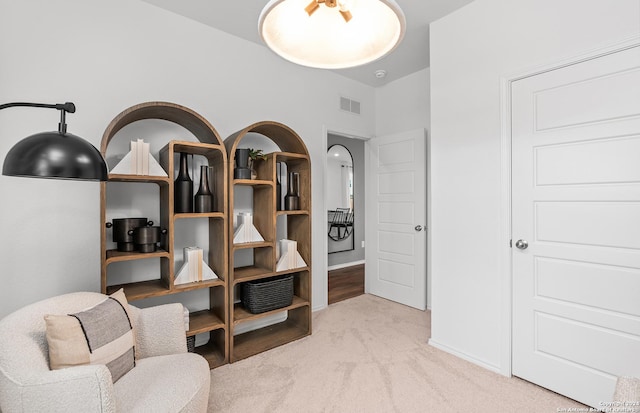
204 197
122 231
278 188
146 238
292 199
183 188
242 171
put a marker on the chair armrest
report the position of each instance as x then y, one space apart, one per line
159 330
82 388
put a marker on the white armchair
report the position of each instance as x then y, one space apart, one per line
166 377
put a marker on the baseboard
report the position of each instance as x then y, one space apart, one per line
318 308
345 265
465 356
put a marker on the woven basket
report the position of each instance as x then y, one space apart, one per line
191 344
268 294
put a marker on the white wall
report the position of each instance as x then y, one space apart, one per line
106 57
403 104
471 50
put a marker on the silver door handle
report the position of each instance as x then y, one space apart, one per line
418 228
522 244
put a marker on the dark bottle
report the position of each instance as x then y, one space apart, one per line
292 199
183 188
204 197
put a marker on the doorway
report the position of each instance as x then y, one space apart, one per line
345 201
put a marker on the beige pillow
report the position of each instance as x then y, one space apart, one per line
101 334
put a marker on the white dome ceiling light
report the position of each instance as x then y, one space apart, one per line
332 34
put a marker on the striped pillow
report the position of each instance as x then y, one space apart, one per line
98 335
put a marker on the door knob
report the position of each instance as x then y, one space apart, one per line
522 244
418 228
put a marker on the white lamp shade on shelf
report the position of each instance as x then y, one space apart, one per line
325 39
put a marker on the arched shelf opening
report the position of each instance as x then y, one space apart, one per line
172 112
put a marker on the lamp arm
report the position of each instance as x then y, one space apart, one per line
67 107
62 107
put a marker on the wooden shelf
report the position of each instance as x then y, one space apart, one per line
118 256
252 182
203 321
218 215
219 319
266 338
212 321
196 148
198 285
214 355
242 315
142 289
290 156
160 180
246 245
291 271
298 212
242 274
295 157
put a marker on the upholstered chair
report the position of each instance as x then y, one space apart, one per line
627 395
166 378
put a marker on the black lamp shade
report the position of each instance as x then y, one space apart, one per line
55 155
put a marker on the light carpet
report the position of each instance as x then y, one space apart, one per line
367 354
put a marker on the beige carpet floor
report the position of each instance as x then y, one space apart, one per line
367 354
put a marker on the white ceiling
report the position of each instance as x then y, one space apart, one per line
240 18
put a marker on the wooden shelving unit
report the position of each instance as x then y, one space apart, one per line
265 218
214 320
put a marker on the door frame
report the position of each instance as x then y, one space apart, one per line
326 130
505 261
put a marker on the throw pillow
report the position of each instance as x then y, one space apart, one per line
101 334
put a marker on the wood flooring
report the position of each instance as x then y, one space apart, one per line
346 283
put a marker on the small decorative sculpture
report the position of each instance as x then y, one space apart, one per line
194 268
246 231
289 256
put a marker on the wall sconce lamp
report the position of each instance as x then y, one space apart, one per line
57 155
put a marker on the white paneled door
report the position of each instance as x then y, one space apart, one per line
396 252
576 226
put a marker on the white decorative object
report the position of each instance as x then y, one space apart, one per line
194 268
290 257
139 162
185 312
246 232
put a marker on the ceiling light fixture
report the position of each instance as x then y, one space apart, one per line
332 34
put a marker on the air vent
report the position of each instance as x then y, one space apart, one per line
345 104
349 105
